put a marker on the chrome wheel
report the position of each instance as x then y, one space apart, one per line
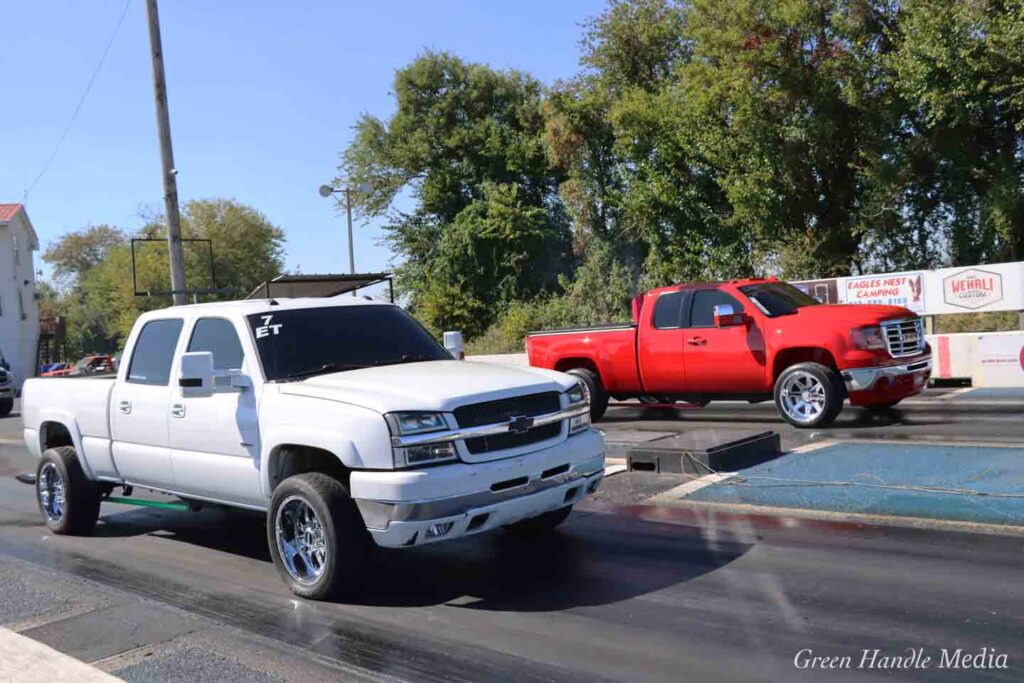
803 397
51 492
301 540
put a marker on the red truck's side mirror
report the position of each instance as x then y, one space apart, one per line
726 317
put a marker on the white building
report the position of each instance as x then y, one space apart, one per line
19 315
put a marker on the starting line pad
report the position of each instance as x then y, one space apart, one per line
875 478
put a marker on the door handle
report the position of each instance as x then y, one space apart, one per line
178 410
125 407
696 341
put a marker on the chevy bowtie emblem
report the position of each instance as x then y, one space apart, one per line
520 423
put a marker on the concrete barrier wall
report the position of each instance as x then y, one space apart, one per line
991 359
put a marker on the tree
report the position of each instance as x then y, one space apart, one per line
81 250
466 142
98 299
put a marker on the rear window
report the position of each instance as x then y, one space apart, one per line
668 310
154 352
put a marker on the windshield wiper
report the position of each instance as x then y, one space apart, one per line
322 370
407 358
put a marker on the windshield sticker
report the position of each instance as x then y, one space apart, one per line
267 329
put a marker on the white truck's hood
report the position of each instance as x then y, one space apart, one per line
436 385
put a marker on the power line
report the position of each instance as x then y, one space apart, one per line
81 101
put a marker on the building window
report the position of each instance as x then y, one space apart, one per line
21 305
17 252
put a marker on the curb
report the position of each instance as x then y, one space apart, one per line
23 660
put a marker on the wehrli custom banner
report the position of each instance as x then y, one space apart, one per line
995 287
898 289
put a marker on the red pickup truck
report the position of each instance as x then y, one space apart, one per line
752 340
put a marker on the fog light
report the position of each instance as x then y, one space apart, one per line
439 529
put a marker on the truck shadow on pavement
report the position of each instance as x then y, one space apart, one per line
593 559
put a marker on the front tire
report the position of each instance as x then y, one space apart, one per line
6 406
809 395
316 535
595 391
68 500
540 525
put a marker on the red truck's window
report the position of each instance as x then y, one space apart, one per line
668 311
702 313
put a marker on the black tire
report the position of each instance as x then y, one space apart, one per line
80 507
539 525
6 406
345 539
825 385
595 390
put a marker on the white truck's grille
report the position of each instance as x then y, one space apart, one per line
5 377
904 337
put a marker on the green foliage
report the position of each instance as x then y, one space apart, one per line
95 268
705 139
466 142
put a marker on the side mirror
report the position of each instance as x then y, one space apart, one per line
196 377
726 317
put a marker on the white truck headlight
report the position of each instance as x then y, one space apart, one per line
578 397
406 424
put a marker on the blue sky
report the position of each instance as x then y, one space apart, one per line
263 95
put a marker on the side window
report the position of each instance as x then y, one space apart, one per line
218 336
154 352
702 313
668 310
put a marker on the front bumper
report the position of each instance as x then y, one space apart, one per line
405 508
909 378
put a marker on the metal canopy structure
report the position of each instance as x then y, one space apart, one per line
297 286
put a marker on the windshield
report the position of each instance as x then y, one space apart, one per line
778 298
305 342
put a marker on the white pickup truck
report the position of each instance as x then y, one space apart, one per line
344 420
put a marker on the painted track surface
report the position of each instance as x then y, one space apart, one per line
621 593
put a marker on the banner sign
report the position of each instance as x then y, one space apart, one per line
1002 359
995 287
906 289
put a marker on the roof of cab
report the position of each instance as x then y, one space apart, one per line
251 306
697 285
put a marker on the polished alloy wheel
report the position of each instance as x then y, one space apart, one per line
51 492
301 540
803 397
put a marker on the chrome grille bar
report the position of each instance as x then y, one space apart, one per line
904 337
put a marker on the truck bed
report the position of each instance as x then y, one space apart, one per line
83 402
612 348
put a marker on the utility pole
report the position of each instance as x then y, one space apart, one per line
351 249
163 124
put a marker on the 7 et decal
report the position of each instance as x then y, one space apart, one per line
267 329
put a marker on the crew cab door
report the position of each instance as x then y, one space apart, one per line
660 345
722 360
140 403
215 438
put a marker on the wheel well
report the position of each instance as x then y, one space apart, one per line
566 364
289 460
54 434
788 357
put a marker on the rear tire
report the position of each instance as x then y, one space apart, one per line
539 525
68 501
6 406
595 391
809 395
316 535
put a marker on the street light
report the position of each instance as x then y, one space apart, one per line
327 191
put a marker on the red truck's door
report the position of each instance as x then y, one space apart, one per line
660 349
725 360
